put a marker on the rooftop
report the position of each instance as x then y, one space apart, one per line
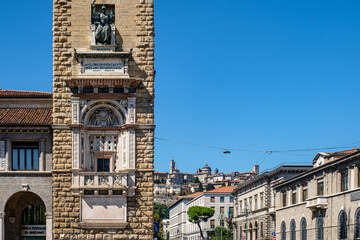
24 94
25 116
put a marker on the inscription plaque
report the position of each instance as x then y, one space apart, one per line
103 67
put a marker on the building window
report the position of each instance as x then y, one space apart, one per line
33 214
222 199
231 199
212 223
212 199
240 204
320 228
25 156
305 194
342 225
255 203
292 230
293 197
283 231
231 210
250 204
261 201
357 223
284 199
344 181
103 165
261 229
222 210
303 233
320 188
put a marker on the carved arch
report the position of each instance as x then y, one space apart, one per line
115 107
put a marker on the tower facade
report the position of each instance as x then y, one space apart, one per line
103 119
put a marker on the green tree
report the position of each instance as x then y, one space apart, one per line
198 214
157 181
162 210
196 180
209 187
226 233
168 235
200 189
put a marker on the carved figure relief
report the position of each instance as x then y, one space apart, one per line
104 117
102 20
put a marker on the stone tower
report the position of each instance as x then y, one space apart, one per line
103 116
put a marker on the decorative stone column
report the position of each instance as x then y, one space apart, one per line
42 155
301 195
48 216
2 226
8 155
356 176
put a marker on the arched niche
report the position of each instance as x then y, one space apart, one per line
103 113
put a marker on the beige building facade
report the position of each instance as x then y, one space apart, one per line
322 203
254 212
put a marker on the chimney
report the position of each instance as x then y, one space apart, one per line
255 169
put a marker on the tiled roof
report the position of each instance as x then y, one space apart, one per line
26 116
194 195
345 152
23 94
222 190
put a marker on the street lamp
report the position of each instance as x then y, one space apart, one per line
221 217
246 212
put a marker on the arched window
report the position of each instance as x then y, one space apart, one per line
303 233
357 223
283 231
33 214
342 225
292 230
320 228
261 229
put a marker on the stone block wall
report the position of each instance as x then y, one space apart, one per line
134 20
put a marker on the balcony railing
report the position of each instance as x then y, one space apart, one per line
100 180
317 203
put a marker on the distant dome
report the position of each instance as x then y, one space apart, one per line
206 168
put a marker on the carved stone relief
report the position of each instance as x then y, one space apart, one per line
2 155
75 147
104 117
131 148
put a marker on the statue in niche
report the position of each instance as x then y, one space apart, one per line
103 117
102 21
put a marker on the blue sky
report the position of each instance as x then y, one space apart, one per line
254 75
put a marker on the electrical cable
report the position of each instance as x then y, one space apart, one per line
264 151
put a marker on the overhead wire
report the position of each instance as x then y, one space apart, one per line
263 151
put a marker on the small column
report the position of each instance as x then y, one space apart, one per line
301 196
48 216
8 155
356 176
2 226
42 155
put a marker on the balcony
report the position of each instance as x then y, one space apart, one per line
103 181
317 203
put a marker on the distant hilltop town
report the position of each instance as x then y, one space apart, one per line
176 182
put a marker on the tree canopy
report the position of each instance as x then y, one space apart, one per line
198 214
162 210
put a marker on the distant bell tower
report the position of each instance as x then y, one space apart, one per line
172 165
103 119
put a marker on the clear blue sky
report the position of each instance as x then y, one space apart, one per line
267 75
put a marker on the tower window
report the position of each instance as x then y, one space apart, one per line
103 165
